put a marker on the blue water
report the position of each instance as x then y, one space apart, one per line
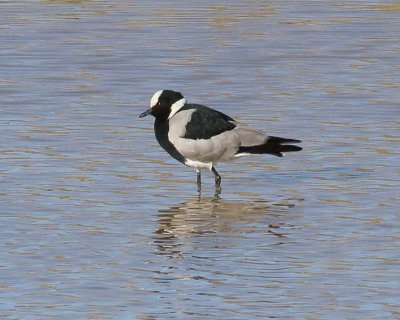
98 222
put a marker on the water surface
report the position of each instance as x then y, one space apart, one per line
99 223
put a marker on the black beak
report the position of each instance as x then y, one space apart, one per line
146 113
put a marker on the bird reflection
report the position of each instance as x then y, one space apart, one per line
180 223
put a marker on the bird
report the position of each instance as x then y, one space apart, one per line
201 137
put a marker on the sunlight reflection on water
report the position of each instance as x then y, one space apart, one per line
98 222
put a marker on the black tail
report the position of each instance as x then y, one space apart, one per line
274 146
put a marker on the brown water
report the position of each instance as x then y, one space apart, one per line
97 222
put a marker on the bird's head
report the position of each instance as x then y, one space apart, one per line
164 104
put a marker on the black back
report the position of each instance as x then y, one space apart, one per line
206 122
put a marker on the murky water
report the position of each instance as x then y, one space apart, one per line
97 222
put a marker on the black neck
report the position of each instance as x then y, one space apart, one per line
161 128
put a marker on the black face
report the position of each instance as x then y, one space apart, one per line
162 107
160 110
164 103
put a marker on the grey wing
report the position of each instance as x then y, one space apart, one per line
218 148
249 136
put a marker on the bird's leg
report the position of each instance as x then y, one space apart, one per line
216 176
198 180
217 180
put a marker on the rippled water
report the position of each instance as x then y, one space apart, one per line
97 222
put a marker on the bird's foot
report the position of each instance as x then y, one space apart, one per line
218 190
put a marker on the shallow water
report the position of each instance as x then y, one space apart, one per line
99 223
